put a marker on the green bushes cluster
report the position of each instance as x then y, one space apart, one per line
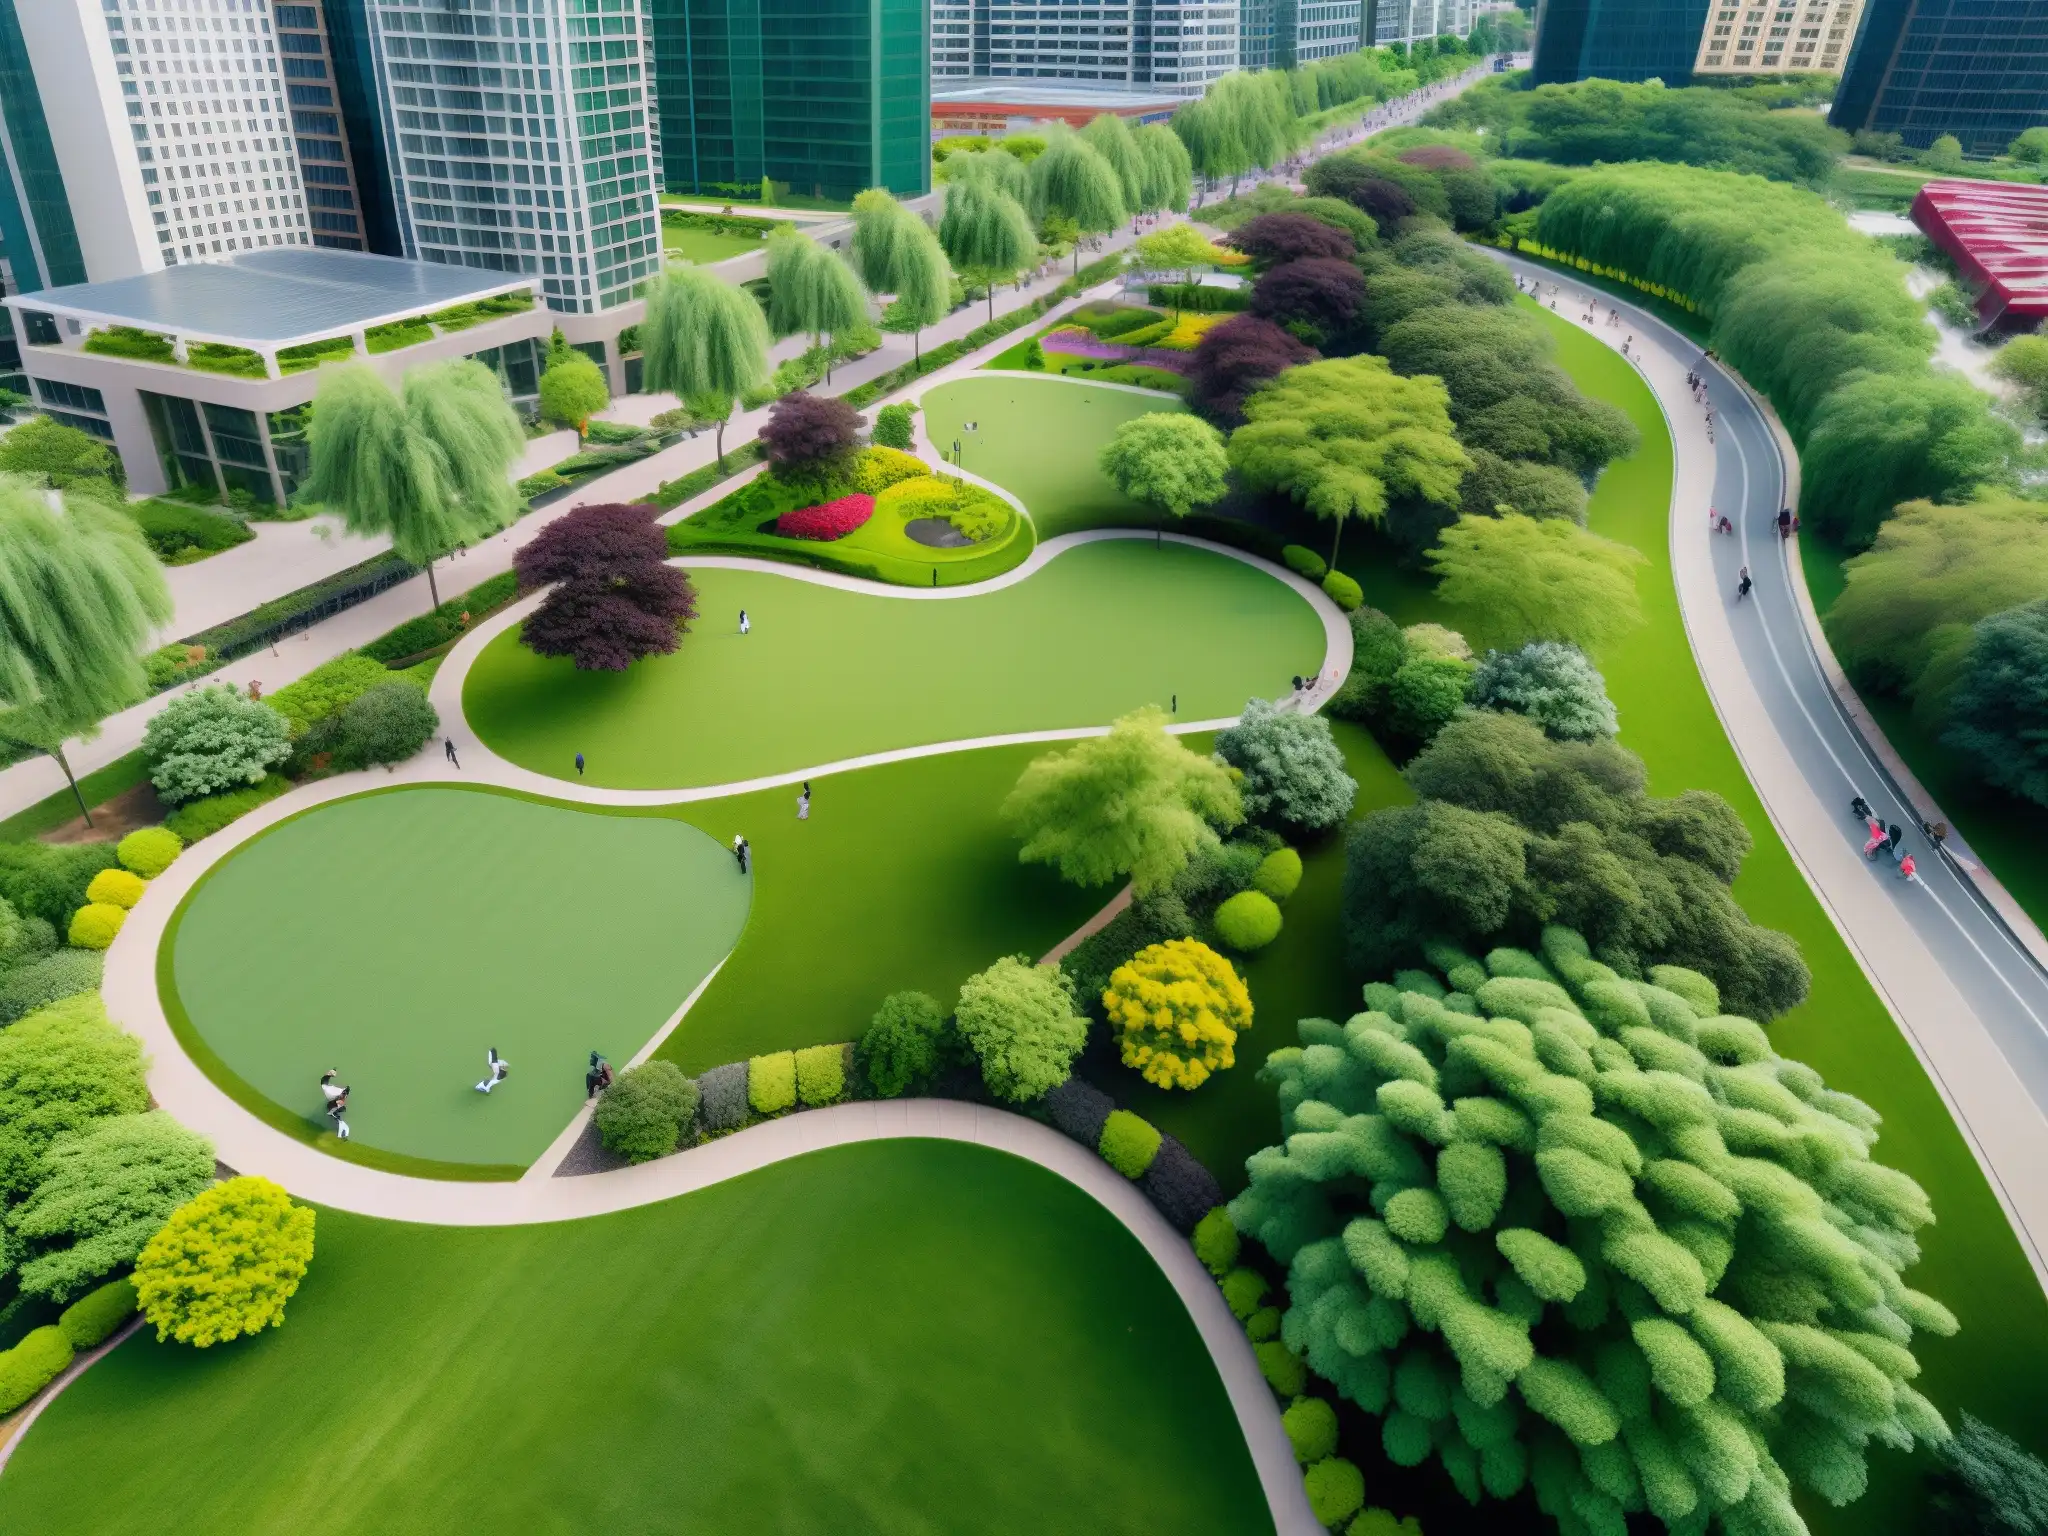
49 881
202 818
131 342
92 1319
326 689
1406 684
46 979
1129 1143
646 1112
178 534
820 1075
219 357
771 1083
905 1046
444 625
32 1365
212 739
148 851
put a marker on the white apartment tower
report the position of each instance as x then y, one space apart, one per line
167 122
1776 37
1175 47
524 138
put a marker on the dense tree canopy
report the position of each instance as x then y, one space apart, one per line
1998 711
1020 1022
1514 830
1522 580
54 454
1292 770
986 232
1169 460
1272 238
1318 295
1563 1230
1346 437
1553 684
1236 357
612 598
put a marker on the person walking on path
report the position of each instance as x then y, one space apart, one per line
579 765
598 1077
495 1070
1908 870
449 743
803 803
1742 587
741 852
746 624
1876 842
336 1096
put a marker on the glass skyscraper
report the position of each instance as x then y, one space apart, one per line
36 230
1618 40
827 97
1921 68
524 140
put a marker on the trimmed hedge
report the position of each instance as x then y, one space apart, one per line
1311 1425
148 851
32 1365
1262 1325
1202 298
1343 591
1336 1488
51 979
722 1098
1179 1185
1282 1368
1079 1111
1248 921
1216 1242
445 624
1129 1143
326 689
94 1316
821 1075
1303 561
771 1083
95 925
1279 873
302 609
115 888
1245 1292
202 818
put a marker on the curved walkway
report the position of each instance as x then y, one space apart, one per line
1962 986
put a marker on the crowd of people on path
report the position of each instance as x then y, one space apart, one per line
1888 839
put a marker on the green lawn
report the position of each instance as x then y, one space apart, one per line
699 246
910 1337
394 936
1038 437
829 674
1973 1263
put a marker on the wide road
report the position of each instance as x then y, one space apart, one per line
1961 984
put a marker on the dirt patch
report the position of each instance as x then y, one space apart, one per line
137 807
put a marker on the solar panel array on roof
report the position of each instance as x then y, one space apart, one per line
1997 234
275 296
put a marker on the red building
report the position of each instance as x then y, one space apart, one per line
1997 234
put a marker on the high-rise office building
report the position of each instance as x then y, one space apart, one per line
1775 37
1921 68
1413 21
139 134
1172 46
335 190
523 138
1323 29
824 97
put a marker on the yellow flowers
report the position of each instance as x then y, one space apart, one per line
1177 1009
1188 331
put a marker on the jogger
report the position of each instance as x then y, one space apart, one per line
495 1070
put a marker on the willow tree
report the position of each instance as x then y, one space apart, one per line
1110 137
986 233
1072 181
706 341
80 595
811 290
881 236
1169 176
1211 134
924 283
428 465
1004 173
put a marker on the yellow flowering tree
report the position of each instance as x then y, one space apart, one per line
225 1263
1177 1009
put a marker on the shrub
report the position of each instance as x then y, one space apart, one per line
1550 682
92 1319
115 888
834 519
1644 1219
148 851
1248 921
1311 1425
1425 694
810 437
327 688
202 818
611 597
386 725
1281 1367
821 1075
225 1264
1304 561
101 1192
1217 1242
38 1360
1293 771
1986 1484
94 925
646 1111
1176 1010
1019 1020
39 983
48 881
722 1098
1263 1325
1079 1110
1377 651
1336 1490
212 739
1279 873
902 1049
876 469
1343 591
771 1083
1381 1522
1128 1143
893 427
1179 1186
1245 1292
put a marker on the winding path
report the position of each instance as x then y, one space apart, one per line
244 1142
1959 975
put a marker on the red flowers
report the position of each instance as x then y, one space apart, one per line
832 520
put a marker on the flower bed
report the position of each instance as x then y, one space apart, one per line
833 520
1074 342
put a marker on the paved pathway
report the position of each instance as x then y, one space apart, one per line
1959 978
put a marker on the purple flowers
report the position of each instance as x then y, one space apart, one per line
1079 343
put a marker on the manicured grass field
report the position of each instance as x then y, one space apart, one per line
396 935
829 674
1973 1263
703 245
902 1336
1038 437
